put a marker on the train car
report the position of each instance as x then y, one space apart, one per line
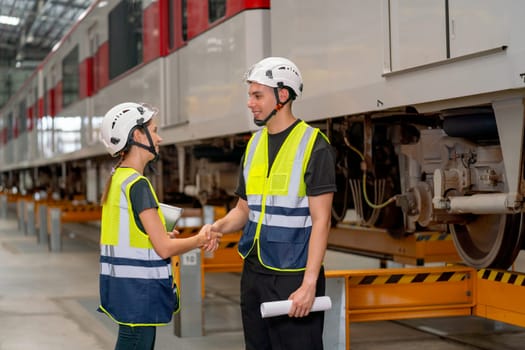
422 100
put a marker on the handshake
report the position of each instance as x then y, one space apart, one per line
208 238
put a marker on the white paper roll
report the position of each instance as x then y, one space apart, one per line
282 307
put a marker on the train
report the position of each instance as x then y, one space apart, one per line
423 102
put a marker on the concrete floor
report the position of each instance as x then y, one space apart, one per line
49 300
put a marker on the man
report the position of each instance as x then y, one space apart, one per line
285 197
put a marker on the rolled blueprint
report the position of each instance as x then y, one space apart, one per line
282 307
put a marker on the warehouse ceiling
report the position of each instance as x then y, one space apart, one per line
30 28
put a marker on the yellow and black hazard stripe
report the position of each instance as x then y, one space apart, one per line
432 277
435 236
513 278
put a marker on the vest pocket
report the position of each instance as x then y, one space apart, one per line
284 248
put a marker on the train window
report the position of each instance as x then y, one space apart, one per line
125 37
70 77
184 13
45 112
22 117
93 47
171 25
216 10
35 104
10 126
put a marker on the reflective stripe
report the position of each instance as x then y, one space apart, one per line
127 271
297 221
254 198
286 202
251 151
288 221
123 239
126 252
135 262
254 216
278 201
296 172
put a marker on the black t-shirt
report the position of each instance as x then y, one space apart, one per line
320 170
141 199
319 178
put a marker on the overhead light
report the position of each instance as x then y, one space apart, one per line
82 15
12 21
56 46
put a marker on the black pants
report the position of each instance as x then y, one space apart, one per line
280 332
136 338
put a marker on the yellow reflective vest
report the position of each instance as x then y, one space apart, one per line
136 284
279 223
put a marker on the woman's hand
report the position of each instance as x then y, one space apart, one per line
173 234
209 239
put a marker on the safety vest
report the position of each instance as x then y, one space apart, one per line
136 284
279 222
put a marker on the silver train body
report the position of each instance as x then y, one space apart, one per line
423 98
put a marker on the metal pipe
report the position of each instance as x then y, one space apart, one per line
493 203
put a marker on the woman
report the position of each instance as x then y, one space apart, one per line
136 282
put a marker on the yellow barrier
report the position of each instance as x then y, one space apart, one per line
81 213
75 212
392 294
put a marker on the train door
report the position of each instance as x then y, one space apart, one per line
92 122
52 109
93 38
3 142
33 117
10 126
22 137
43 127
177 36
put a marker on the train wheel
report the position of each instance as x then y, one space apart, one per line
489 240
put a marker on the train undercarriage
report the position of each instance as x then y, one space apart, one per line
446 172
442 172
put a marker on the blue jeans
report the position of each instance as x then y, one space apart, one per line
136 338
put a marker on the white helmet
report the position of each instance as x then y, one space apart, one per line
276 72
119 122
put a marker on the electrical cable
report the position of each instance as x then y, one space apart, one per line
363 169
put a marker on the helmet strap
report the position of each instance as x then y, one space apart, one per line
277 108
150 148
